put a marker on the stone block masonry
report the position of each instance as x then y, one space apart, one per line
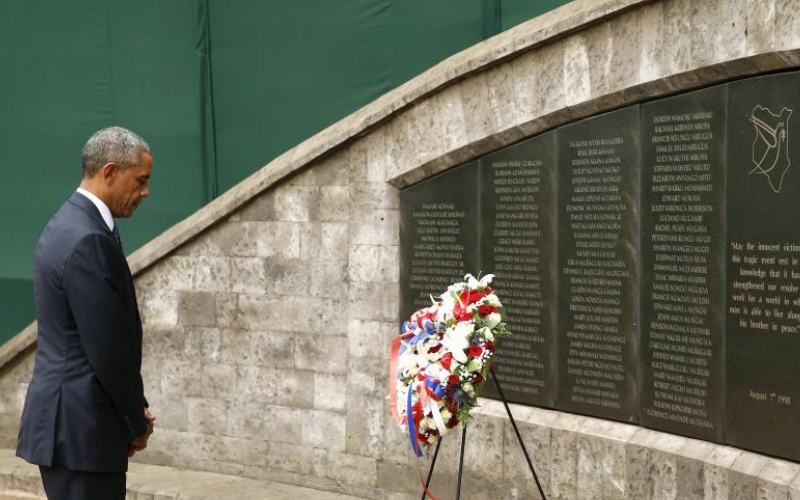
267 313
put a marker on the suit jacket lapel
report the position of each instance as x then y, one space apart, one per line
86 204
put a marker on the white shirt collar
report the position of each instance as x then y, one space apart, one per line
104 211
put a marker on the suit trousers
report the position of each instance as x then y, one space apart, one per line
61 483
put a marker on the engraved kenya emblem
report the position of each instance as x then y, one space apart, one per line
770 145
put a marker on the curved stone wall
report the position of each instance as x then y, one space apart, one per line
268 313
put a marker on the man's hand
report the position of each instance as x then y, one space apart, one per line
140 443
151 422
137 445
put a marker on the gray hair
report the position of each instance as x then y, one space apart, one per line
113 144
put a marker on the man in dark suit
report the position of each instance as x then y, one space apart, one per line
85 412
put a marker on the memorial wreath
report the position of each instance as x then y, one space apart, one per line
442 358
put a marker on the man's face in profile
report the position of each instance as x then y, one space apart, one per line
127 187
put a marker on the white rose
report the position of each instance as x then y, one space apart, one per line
474 365
486 333
437 372
409 365
421 360
492 300
435 356
493 319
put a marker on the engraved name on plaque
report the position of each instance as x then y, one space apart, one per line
518 245
683 248
438 235
598 297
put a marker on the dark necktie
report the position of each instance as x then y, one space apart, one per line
115 234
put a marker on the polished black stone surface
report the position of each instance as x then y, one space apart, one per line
683 264
763 260
598 191
648 258
438 235
518 209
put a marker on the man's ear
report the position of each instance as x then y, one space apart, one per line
109 172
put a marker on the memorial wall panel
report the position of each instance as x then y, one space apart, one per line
518 210
682 264
438 235
648 258
763 259
598 190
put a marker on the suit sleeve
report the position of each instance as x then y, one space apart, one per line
95 280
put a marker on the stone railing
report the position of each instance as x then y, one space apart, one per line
268 312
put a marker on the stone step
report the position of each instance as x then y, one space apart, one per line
18 495
146 482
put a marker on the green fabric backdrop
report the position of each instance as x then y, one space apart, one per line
218 89
280 77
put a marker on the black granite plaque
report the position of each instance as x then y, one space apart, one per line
598 179
438 235
763 259
682 264
704 344
518 212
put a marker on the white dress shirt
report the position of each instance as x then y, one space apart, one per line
104 211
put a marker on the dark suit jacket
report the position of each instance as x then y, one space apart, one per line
85 403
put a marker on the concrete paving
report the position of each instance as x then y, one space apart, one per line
19 495
20 481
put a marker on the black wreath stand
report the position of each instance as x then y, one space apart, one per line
464 440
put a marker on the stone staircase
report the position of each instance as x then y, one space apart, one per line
20 481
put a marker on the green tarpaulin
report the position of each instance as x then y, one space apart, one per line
218 89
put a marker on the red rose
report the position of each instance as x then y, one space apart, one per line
452 379
478 378
452 422
452 407
474 351
489 346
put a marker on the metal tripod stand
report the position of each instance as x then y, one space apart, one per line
463 443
